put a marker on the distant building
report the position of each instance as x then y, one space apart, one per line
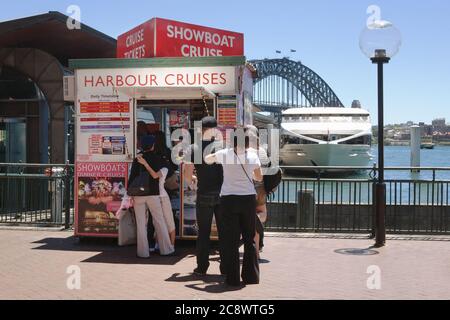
439 125
425 129
438 122
405 136
428 130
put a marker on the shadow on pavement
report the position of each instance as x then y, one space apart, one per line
208 278
107 251
215 288
74 244
263 261
214 283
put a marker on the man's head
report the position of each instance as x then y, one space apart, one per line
148 143
245 138
253 133
240 139
209 125
251 128
141 129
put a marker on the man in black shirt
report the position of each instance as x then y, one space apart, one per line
209 182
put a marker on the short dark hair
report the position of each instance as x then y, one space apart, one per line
238 134
147 142
209 122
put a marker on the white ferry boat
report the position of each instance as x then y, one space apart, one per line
326 137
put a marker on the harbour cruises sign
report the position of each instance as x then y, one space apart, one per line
167 38
216 79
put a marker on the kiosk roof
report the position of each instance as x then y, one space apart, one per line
156 62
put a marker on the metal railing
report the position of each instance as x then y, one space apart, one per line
418 204
36 194
313 202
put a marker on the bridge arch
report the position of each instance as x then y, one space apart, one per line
316 91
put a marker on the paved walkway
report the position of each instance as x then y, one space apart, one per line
33 265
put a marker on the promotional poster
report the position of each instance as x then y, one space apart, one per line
100 187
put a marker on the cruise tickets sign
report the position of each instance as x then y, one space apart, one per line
167 38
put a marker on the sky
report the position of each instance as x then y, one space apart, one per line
325 34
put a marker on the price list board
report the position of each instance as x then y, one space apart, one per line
226 111
104 131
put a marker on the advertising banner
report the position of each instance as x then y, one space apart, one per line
99 189
178 39
168 38
103 81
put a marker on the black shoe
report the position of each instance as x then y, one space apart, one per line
250 282
233 284
199 272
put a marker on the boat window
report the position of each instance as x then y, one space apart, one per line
365 140
291 140
337 118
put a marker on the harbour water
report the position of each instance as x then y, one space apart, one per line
403 186
399 156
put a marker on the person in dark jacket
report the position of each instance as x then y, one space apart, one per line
152 163
209 180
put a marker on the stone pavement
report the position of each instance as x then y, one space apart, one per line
33 265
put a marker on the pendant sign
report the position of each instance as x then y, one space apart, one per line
167 38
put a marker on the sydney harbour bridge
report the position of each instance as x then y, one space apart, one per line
283 83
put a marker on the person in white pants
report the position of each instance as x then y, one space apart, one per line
153 164
166 205
153 203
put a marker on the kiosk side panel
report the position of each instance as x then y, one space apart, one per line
103 151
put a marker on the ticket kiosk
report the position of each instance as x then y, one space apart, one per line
113 95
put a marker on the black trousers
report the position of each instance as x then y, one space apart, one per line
260 230
150 231
239 218
207 205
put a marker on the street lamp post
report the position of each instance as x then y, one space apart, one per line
380 41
